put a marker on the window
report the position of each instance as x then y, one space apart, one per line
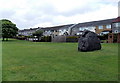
108 26
52 30
86 28
116 24
92 28
60 30
64 30
79 33
100 27
55 30
81 29
102 33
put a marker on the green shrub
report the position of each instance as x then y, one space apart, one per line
21 37
115 38
46 39
103 37
72 39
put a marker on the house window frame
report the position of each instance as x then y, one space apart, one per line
100 27
81 28
64 30
117 24
108 26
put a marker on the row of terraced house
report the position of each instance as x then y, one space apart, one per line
101 27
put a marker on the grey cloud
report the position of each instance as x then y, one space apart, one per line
47 9
47 13
89 7
42 12
6 13
80 10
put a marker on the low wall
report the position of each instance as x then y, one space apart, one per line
59 39
71 38
118 38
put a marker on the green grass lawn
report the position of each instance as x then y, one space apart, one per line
43 61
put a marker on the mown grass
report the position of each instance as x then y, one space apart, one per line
0 60
43 61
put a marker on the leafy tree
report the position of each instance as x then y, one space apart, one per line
0 29
9 29
38 34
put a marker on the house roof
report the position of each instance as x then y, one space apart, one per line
117 19
29 29
57 27
85 24
95 23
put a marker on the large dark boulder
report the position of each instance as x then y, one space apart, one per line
89 41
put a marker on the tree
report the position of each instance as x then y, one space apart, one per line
9 29
38 34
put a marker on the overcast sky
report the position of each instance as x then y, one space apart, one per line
44 13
